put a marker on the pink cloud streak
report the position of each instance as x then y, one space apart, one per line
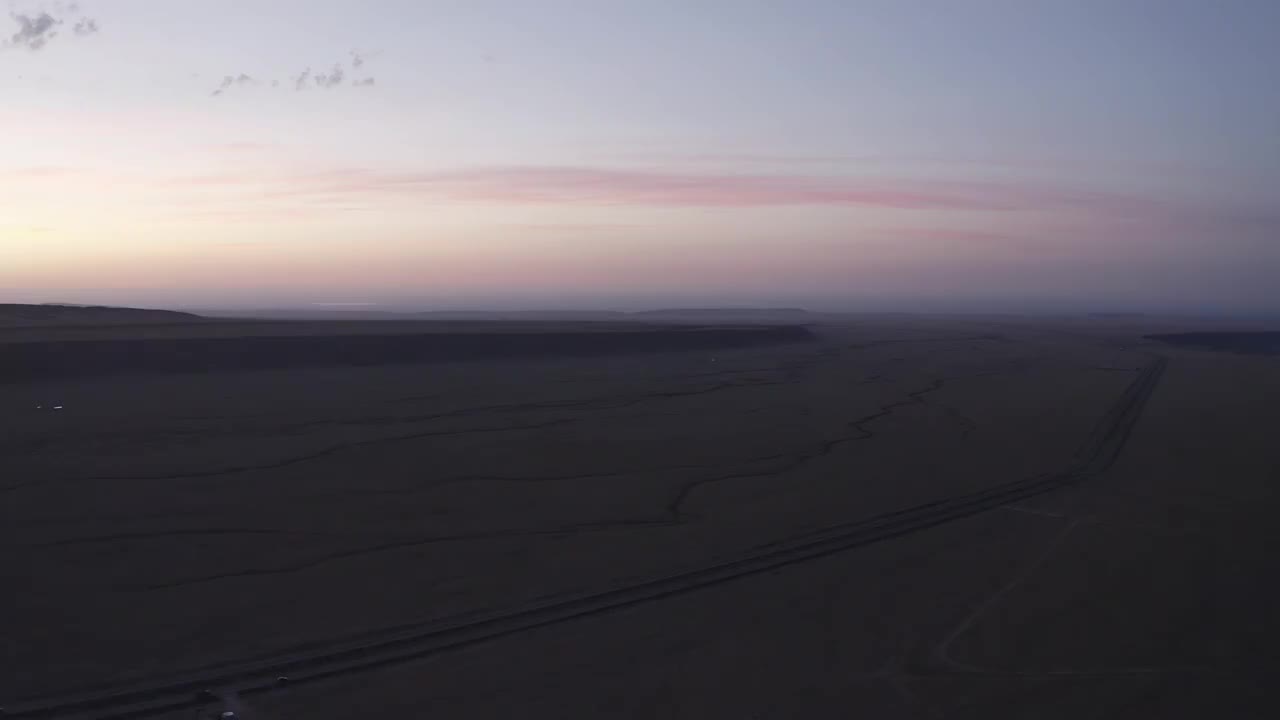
552 185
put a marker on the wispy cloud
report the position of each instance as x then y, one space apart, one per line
607 186
28 229
944 235
337 76
231 81
246 214
241 147
586 186
86 26
331 79
568 227
39 171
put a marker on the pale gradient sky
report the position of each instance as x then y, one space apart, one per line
886 154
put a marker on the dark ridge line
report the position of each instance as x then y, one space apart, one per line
157 534
607 403
794 461
293 460
674 508
427 487
429 639
791 371
402 544
342 447
798 460
1255 342
900 341
601 403
435 396
525 479
967 424
431 485
99 357
278 413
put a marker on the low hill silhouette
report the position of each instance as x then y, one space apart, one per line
14 315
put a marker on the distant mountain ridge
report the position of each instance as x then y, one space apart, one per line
706 314
17 315
729 312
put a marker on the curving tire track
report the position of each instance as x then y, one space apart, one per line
1096 455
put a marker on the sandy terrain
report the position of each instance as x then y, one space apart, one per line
894 518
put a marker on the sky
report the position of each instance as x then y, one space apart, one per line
954 155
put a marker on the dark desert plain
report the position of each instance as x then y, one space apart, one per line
800 515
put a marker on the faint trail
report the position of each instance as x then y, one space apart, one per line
941 653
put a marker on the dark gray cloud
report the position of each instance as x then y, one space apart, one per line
37 29
333 79
336 77
231 81
34 31
358 60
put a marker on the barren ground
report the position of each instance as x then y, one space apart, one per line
896 518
